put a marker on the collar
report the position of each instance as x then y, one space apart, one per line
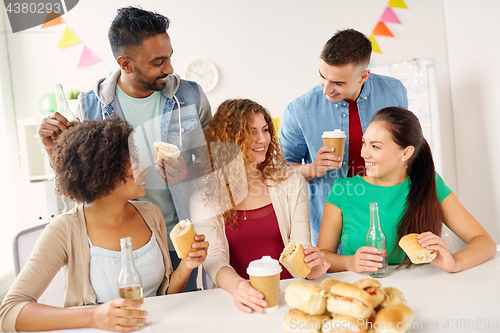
105 89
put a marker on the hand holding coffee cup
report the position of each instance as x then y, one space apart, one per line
265 277
336 140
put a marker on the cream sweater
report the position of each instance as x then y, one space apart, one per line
64 243
290 200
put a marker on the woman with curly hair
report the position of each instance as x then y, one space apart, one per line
249 204
94 166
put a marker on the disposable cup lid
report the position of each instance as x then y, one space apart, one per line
266 266
334 134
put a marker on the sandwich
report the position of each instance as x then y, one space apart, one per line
393 319
372 287
327 283
345 324
292 258
393 296
416 252
182 236
296 321
306 297
165 150
347 299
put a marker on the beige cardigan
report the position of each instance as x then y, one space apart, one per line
290 200
64 242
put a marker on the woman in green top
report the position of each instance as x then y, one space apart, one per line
412 198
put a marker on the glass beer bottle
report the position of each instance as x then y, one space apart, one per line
129 280
376 238
63 106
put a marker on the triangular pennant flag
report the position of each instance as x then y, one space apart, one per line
69 38
389 17
382 30
52 19
88 57
397 4
375 47
276 123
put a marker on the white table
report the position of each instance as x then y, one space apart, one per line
441 302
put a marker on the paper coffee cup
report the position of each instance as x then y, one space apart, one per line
335 139
265 277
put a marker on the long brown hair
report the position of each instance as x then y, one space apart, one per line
229 136
422 212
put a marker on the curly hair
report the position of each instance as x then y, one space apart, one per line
92 159
347 47
132 26
230 136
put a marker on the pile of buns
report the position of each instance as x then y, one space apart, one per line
341 307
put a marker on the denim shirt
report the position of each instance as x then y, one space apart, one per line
195 114
307 117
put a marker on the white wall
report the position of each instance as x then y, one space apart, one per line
473 49
264 50
10 185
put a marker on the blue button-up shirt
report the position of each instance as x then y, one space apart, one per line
306 118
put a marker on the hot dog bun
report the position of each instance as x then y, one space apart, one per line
416 252
297 321
372 287
349 300
165 150
306 297
393 319
182 236
292 258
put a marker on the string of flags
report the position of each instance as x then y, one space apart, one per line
88 57
69 38
381 28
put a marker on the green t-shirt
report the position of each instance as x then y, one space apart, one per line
353 197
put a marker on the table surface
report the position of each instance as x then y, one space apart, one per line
467 301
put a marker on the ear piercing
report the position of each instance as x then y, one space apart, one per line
403 159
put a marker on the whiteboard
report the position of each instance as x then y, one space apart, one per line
419 78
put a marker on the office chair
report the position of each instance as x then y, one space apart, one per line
23 245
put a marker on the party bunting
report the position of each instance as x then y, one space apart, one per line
52 19
375 47
276 123
88 57
69 38
389 16
382 30
397 4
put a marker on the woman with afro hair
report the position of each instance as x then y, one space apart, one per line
96 166
250 204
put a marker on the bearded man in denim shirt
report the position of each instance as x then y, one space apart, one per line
347 98
161 107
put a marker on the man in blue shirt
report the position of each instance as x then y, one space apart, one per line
157 103
347 98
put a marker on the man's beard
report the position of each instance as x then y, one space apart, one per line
150 85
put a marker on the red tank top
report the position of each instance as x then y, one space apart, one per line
254 237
